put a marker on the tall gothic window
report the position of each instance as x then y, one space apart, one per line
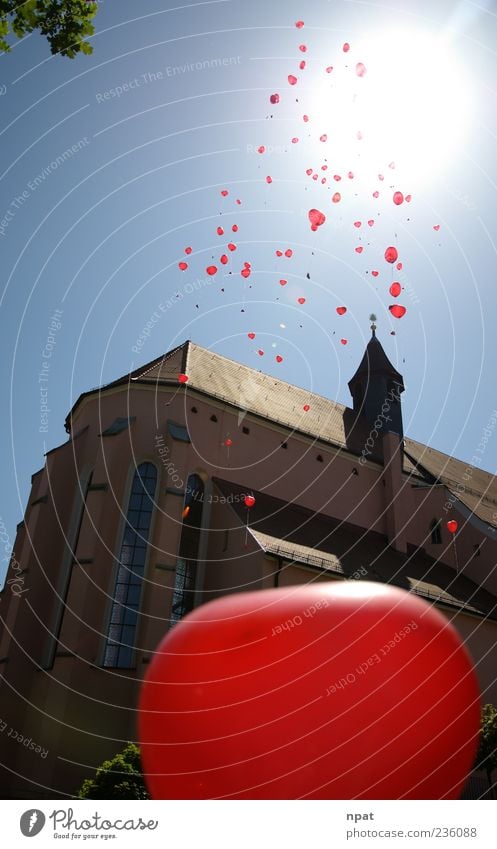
186 566
436 532
121 631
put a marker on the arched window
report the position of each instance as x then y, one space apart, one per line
121 631
186 566
436 532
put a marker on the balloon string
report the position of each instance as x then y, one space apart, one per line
246 528
167 403
455 554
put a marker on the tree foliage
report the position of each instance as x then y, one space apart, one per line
65 23
119 778
487 749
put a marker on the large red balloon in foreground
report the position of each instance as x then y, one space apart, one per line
346 690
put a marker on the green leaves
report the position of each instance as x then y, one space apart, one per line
487 750
65 23
119 778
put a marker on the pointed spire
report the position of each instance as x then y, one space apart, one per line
377 385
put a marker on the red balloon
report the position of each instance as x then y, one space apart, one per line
183 378
288 253
343 341
391 254
395 289
336 690
228 442
316 217
249 501
337 197
188 250
279 359
251 335
182 266
306 408
220 231
452 526
346 47
211 269
301 300
292 79
269 179
341 310
245 272
223 259
275 98
360 69
397 310
398 198
299 24
231 247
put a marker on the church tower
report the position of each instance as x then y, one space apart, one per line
376 388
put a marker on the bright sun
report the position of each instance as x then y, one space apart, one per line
407 103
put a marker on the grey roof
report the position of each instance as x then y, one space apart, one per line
251 391
375 361
324 560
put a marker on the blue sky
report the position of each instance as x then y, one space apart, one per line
168 111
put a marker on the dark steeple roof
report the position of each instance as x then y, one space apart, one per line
375 362
376 388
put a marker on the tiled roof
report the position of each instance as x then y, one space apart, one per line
251 391
298 553
415 573
321 542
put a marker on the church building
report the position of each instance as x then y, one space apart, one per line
141 515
